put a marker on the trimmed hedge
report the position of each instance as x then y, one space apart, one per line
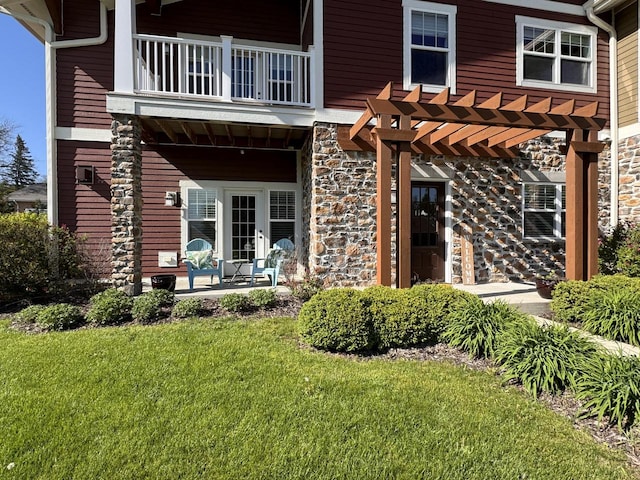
337 320
378 318
188 307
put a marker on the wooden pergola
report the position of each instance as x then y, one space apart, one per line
409 126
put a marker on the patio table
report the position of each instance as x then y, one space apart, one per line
238 263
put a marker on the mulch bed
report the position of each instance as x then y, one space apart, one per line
564 404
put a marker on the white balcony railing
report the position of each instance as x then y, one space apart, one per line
222 70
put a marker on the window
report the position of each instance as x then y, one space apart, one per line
544 206
429 45
282 215
555 55
201 212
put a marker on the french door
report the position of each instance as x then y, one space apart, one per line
244 226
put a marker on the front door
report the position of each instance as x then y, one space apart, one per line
427 231
244 227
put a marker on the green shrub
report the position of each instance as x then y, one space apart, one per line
475 326
615 314
110 307
628 262
263 298
306 288
146 307
440 301
61 316
188 307
235 302
164 297
610 244
391 318
570 300
38 259
29 314
610 387
543 358
336 320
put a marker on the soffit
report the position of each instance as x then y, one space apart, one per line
158 131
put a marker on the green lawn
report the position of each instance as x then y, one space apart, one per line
240 399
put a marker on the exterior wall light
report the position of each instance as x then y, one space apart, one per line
171 199
85 174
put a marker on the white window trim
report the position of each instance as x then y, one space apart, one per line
557 217
184 194
522 21
268 218
429 7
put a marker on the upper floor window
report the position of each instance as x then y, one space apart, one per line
555 55
429 45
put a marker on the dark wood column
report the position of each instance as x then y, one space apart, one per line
383 205
403 253
582 204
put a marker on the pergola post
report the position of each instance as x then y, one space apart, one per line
403 254
592 206
582 204
383 206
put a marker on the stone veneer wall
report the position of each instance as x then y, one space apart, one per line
339 203
629 183
126 204
339 198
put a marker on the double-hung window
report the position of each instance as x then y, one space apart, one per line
555 55
282 215
544 207
202 215
429 45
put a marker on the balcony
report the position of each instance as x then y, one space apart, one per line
224 71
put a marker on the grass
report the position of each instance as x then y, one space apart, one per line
239 399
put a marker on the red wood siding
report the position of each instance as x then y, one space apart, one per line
272 21
164 167
86 209
84 74
363 51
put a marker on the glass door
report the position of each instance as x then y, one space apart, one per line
244 227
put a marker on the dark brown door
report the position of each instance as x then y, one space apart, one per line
427 231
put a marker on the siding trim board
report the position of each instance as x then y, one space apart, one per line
546 5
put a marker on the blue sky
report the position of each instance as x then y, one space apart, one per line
22 91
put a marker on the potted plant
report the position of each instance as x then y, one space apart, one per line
545 284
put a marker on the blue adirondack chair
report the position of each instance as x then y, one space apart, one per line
270 266
200 262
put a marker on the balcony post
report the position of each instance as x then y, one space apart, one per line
125 29
226 67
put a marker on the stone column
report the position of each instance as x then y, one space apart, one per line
126 204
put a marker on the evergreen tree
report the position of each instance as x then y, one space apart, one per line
19 170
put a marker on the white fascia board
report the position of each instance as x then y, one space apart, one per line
335 115
628 131
545 5
83 134
209 111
